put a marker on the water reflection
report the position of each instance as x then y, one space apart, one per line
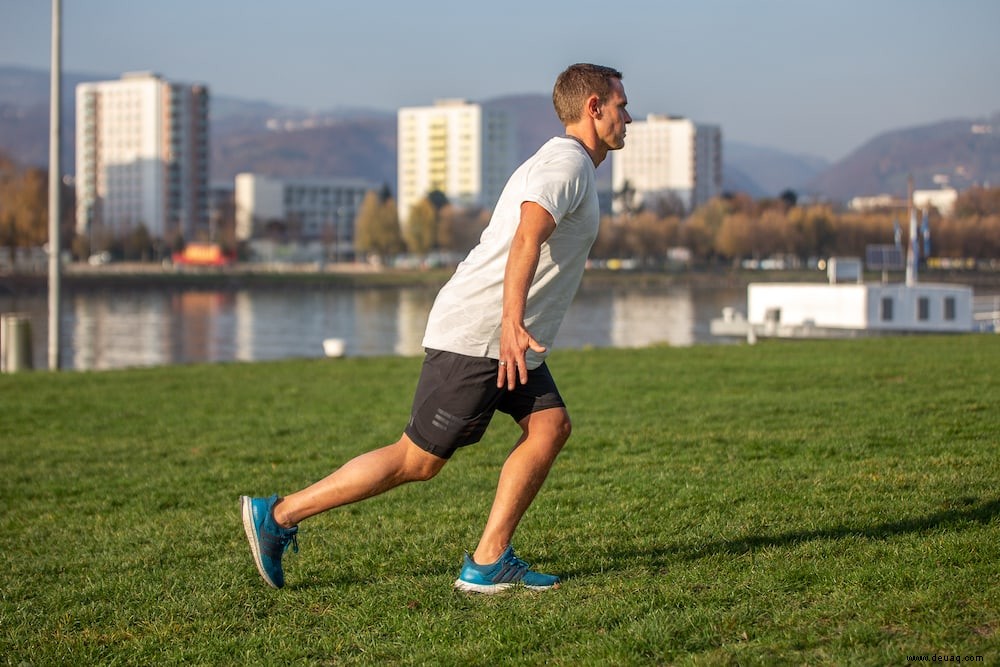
125 328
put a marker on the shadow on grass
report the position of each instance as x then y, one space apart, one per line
972 513
664 557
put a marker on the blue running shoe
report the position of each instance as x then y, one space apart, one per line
268 540
508 571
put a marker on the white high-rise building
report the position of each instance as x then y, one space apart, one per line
666 157
462 149
142 156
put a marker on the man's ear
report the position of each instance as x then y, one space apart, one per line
594 106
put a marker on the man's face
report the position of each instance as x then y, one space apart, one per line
614 117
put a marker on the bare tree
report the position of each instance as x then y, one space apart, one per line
377 226
23 206
421 228
459 228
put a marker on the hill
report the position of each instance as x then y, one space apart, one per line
262 137
761 171
24 115
245 135
960 152
362 148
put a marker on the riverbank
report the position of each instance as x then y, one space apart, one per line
351 276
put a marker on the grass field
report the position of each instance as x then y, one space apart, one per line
786 503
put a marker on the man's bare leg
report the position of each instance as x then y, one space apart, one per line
545 433
362 477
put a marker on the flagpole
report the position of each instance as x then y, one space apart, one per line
55 179
911 253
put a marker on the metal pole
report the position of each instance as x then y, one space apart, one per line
911 259
55 178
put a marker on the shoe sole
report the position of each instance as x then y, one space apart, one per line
490 589
246 509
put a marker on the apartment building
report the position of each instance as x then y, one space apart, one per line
462 149
142 153
668 159
305 209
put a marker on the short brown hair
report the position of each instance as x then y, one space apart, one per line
576 84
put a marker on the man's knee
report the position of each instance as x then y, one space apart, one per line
563 428
552 426
420 465
425 470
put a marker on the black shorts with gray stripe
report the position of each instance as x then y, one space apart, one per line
457 395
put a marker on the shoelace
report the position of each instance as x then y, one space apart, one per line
512 569
519 563
276 543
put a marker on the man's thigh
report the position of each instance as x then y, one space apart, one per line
453 403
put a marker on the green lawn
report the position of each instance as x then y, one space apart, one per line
812 502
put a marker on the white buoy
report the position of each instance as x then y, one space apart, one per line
333 347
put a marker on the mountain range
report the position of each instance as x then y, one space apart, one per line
267 138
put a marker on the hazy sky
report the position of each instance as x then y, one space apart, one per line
816 77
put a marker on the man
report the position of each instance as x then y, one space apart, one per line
487 336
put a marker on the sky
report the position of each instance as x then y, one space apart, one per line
810 77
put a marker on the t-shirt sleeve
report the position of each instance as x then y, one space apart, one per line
558 186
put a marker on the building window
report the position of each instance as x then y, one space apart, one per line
887 309
923 309
949 308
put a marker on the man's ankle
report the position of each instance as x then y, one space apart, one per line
280 517
486 555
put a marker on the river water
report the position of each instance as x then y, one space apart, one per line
121 328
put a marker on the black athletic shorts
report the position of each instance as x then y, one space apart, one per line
457 395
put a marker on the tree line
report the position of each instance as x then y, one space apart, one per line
24 219
737 227
433 225
729 228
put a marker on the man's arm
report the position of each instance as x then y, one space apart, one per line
535 227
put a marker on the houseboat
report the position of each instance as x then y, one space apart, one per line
846 307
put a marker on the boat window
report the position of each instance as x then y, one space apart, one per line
887 309
923 309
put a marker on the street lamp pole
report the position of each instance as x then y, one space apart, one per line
55 179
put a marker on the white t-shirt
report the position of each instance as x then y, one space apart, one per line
465 318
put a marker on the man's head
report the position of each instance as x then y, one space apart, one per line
591 103
576 84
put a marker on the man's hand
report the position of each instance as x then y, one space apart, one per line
515 341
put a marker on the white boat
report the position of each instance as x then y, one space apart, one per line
849 308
